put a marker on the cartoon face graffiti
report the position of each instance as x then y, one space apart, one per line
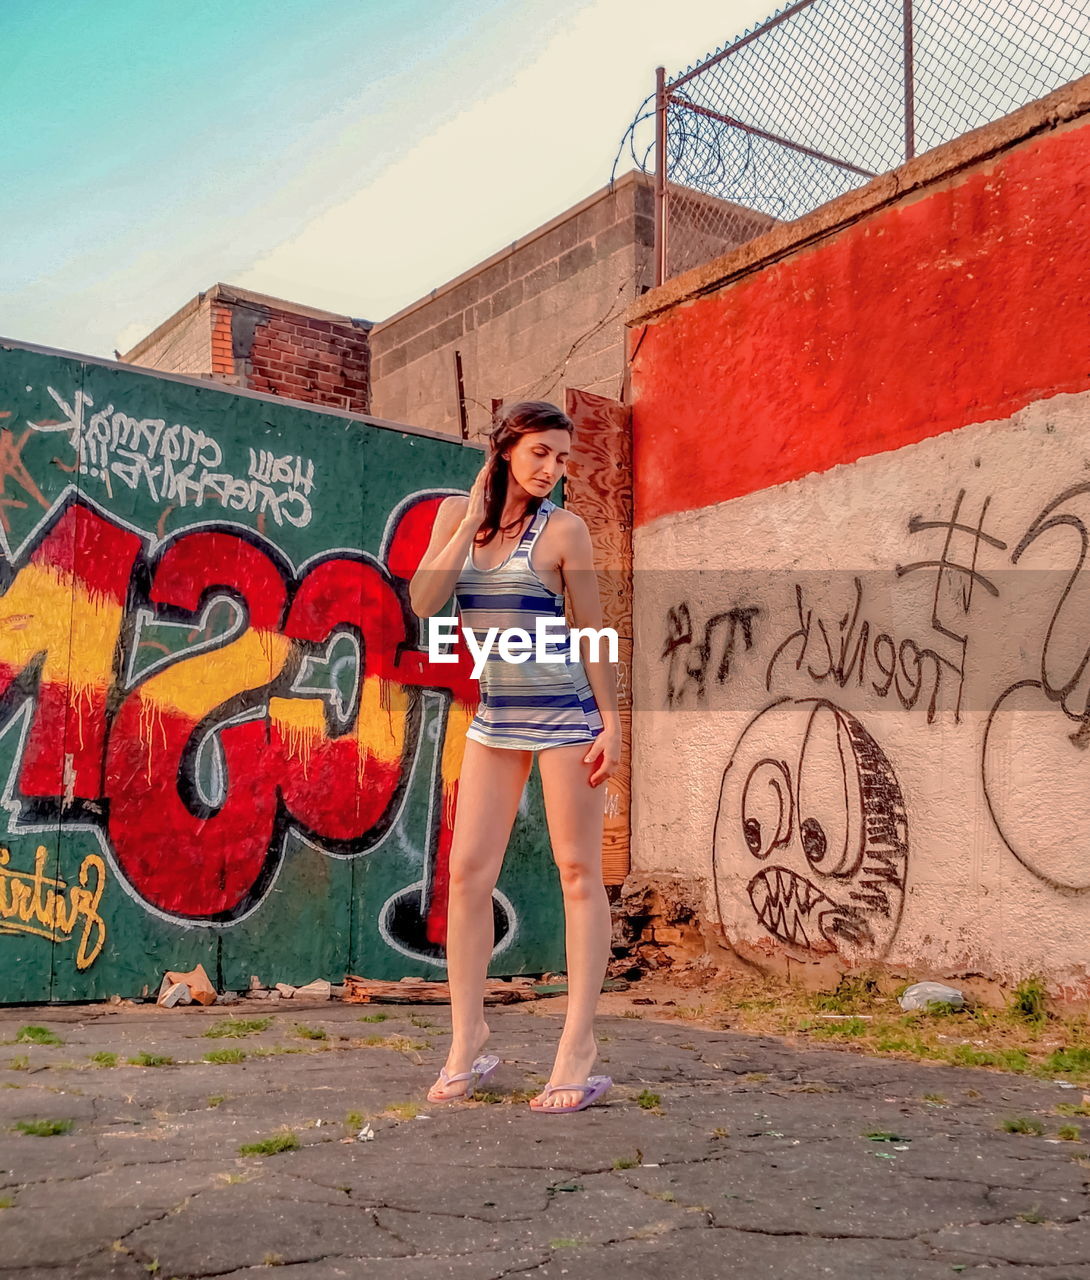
811 835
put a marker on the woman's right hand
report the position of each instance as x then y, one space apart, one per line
474 515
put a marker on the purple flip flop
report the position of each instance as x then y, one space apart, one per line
595 1087
480 1073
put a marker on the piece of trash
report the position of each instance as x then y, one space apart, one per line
176 993
423 1117
200 986
318 990
884 1155
285 990
921 994
649 1165
366 1134
903 1147
317 1124
1064 1084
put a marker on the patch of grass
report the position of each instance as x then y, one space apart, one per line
37 1035
1072 1109
354 1120
936 1098
286 1141
276 1050
1033 1215
225 1055
631 1013
400 1044
845 1030
754 1077
374 1017
566 1242
720 1133
625 1162
404 1110
150 1060
855 993
647 1100
1074 1058
6 1202
1069 1133
1028 1001
273 1260
1023 1124
104 1059
668 1196
215 1100
310 1033
44 1128
20 1063
235 1028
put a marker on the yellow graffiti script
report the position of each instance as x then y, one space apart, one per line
31 902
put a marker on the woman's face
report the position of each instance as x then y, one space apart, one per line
538 460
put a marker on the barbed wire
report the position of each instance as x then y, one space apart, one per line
826 94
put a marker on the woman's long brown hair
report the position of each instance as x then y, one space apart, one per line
512 423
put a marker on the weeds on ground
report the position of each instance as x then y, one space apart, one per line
225 1055
215 1100
374 1017
1024 1038
1069 1133
37 1035
401 1044
310 1033
648 1101
235 1028
1023 1124
44 1128
625 1162
104 1059
7 1202
150 1060
21 1063
286 1141
404 1110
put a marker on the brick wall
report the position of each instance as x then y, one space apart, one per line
265 344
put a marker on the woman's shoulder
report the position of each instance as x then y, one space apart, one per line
566 523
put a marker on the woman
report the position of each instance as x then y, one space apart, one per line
508 554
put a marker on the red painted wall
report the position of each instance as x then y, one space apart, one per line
961 305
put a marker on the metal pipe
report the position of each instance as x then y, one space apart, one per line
773 137
739 44
910 84
660 175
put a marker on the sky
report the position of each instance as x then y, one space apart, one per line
347 154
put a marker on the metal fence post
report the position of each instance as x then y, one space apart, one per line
910 84
660 175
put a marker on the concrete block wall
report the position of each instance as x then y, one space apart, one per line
181 344
544 313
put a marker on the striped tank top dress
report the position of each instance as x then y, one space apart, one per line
531 705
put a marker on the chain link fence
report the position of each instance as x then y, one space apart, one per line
827 94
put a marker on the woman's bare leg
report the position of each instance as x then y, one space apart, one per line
574 811
489 789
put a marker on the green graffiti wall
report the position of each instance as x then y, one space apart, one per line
220 738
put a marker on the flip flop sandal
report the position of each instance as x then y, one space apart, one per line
480 1073
595 1087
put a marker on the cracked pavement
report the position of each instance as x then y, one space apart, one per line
756 1161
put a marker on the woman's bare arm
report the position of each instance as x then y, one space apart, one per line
451 538
581 584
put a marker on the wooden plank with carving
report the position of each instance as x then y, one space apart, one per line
599 488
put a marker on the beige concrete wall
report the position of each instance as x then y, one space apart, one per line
181 344
545 314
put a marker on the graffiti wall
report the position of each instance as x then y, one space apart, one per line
863 620
220 739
